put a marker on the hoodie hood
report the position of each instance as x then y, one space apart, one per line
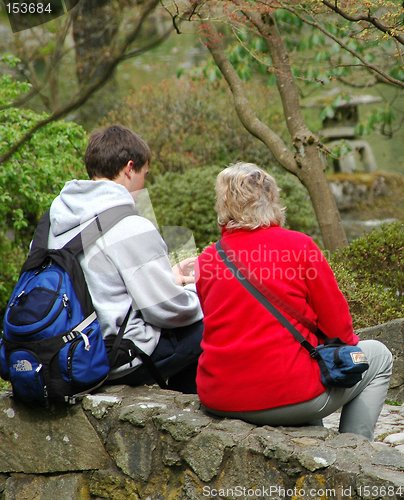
81 200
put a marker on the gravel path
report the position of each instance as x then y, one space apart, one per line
389 428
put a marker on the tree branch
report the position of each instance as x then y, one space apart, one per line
187 15
150 46
266 26
386 78
358 85
83 96
248 118
369 19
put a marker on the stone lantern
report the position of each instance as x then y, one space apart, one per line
340 128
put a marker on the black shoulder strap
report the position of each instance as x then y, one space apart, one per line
146 359
101 224
41 235
263 300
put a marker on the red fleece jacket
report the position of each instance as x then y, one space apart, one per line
249 361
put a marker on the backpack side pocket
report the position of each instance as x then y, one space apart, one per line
4 368
84 361
26 376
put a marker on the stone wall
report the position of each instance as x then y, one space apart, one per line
146 443
351 190
392 335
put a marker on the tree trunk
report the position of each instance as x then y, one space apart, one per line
307 146
95 28
306 161
328 217
95 25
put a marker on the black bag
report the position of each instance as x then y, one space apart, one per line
341 365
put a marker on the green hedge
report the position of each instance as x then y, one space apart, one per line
188 199
370 272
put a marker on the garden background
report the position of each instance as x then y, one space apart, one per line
206 84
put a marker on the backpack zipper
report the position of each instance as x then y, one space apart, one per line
38 271
67 305
73 346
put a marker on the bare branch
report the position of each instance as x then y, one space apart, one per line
266 26
369 19
83 96
150 46
249 119
354 85
179 17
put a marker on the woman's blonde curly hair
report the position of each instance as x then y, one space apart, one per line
247 197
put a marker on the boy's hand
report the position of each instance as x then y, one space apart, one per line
184 271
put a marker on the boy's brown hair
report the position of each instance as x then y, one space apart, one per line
110 149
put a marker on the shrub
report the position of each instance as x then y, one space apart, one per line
190 124
370 274
34 175
188 200
377 256
31 178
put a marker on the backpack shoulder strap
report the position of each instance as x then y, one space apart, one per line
100 225
40 239
39 248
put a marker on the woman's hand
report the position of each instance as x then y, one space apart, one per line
184 271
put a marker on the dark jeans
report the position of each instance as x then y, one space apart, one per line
175 357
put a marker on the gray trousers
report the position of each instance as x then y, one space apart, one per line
361 404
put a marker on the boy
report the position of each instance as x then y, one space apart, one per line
128 265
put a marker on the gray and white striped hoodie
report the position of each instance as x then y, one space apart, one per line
128 265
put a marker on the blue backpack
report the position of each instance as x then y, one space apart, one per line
52 347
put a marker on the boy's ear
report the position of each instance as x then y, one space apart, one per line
128 168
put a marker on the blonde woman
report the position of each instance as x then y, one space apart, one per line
251 367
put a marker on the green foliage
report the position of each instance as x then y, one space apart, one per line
34 175
190 127
188 199
370 274
189 124
378 256
31 178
